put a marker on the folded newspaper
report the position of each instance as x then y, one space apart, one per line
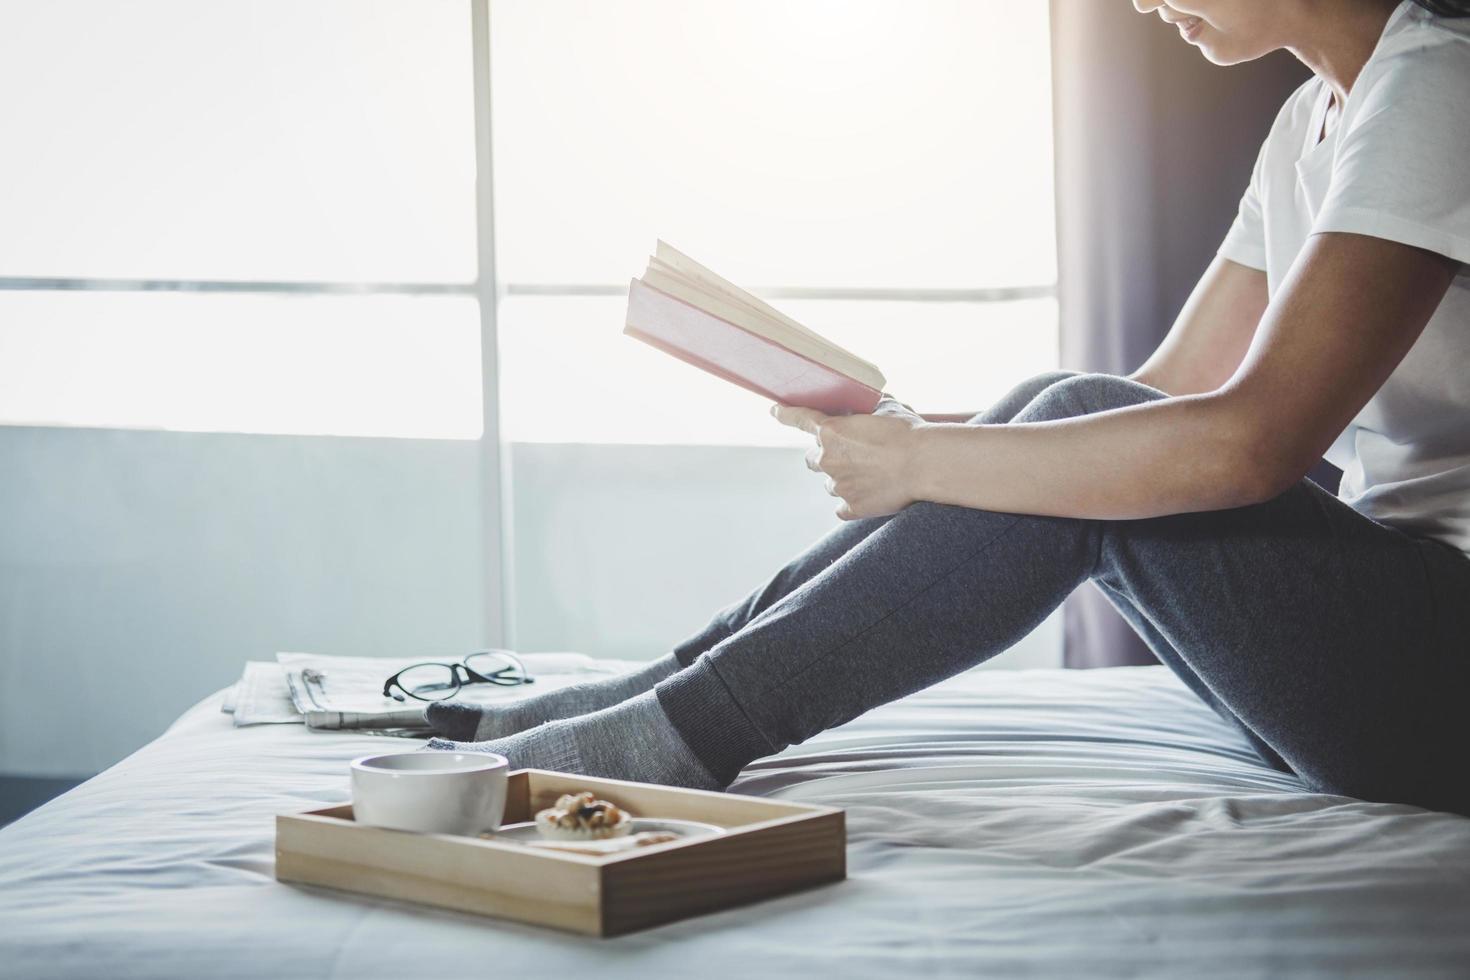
336 693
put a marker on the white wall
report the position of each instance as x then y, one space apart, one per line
139 570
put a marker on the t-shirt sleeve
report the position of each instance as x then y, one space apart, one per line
1245 242
1402 168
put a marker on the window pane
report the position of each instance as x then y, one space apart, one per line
276 139
783 142
338 365
569 375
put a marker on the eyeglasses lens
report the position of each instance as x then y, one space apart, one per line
429 682
503 669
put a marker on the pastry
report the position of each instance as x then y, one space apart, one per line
581 816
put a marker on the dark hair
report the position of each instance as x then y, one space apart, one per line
1446 8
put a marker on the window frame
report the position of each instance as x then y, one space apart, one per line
493 456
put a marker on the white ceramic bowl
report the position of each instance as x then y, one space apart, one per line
430 791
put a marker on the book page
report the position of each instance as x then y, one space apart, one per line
775 331
670 266
672 257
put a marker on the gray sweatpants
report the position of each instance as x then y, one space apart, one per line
1340 646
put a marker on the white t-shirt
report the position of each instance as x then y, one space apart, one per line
1394 165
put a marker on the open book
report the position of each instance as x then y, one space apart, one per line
686 310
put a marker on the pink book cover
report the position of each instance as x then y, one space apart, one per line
739 356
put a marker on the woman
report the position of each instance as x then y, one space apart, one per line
1334 631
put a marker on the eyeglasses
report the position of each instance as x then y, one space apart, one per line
440 682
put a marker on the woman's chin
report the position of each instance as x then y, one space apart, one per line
1226 54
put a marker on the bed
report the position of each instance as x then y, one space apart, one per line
1026 823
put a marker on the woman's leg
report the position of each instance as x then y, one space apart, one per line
1341 644
838 542
466 722
841 540
1167 655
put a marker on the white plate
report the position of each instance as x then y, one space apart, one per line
684 828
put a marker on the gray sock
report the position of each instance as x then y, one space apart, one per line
633 740
476 722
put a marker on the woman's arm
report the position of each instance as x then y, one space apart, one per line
1349 311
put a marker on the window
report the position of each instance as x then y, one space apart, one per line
261 217
880 168
249 217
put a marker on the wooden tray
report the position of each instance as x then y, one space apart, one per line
770 848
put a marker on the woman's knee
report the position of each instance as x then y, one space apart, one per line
1019 397
1084 394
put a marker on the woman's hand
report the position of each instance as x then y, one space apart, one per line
868 459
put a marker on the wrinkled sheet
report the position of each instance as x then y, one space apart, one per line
1030 823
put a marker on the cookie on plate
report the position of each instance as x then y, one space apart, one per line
581 816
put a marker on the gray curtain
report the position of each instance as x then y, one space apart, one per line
1153 148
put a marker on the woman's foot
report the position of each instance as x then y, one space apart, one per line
465 722
633 740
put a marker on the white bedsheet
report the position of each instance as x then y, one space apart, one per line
1038 823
